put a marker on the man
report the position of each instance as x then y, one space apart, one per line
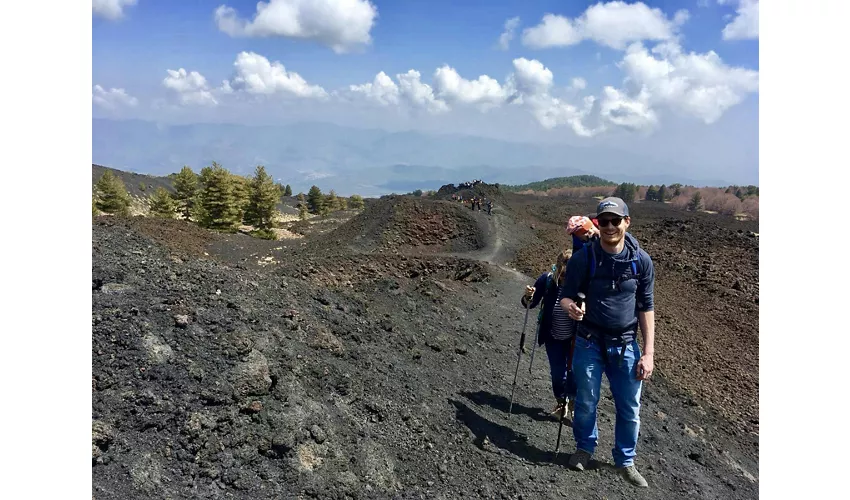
619 298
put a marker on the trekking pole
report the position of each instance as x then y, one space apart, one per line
536 338
519 355
579 301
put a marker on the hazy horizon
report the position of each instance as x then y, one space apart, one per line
638 89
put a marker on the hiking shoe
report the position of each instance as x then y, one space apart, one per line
631 474
559 408
579 460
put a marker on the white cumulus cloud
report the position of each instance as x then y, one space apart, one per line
508 35
340 24
630 113
410 91
254 74
530 86
746 23
530 77
419 94
381 90
484 91
613 24
552 112
190 86
110 9
701 85
113 98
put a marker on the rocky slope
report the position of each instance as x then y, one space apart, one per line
230 367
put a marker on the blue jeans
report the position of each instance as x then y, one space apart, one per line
563 383
588 366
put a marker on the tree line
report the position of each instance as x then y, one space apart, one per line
218 199
572 181
321 204
731 200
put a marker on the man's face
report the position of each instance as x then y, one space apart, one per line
612 228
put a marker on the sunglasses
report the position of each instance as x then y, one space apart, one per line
615 221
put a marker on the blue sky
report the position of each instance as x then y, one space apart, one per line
706 93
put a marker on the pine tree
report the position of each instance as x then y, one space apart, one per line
651 193
262 200
218 201
356 201
287 190
626 191
302 207
332 201
113 197
696 202
343 203
185 191
662 193
162 204
242 192
315 199
198 206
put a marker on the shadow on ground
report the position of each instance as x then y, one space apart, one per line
490 435
501 403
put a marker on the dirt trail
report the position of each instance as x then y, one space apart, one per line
494 250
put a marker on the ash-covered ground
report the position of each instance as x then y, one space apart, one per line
373 358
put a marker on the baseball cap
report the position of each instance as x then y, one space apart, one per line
612 205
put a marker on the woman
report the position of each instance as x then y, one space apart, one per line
556 330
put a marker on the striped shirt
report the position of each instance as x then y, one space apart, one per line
563 327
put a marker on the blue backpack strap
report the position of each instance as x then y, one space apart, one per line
634 268
591 266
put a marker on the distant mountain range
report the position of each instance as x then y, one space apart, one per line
369 162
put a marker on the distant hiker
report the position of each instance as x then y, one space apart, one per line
618 280
489 206
556 331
